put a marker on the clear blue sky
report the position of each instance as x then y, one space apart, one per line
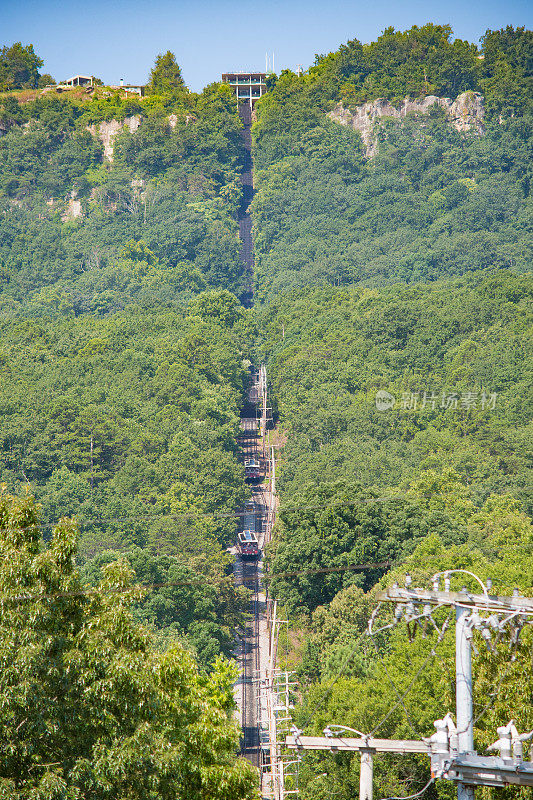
116 39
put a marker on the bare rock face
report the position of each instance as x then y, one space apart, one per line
73 210
466 113
106 132
173 119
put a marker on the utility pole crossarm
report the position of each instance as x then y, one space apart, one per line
518 604
492 771
378 745
453 756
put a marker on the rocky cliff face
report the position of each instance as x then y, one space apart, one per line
465 113
106 132
73 210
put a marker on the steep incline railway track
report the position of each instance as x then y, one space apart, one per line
247 573
243 217
254 518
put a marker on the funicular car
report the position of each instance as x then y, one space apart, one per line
247 544
252 469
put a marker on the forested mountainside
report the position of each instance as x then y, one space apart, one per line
124 356
455 360
434 472
128 423
395 316
434 202
122 371
82 234
393 310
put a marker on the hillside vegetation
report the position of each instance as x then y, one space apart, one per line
394 312
154 227
128 423
124 358
91 707
433 203
395 317
442 351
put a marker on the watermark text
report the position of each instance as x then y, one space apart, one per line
436 401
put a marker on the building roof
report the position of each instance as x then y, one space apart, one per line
244 72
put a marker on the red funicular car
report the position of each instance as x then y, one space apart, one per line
247 545
252 469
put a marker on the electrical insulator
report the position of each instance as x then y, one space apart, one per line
515 635
489 584
447 583
398 611
474 619
408 581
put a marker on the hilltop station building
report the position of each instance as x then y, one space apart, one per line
248 86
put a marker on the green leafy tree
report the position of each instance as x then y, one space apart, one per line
45 80
19 67
165 75
200 606
90 709
218 305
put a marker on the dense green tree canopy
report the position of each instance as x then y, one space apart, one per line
19 67
166 74
426 60
400 356
433 202
171 187
90 708
129 404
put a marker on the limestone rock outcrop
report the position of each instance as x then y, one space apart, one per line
465 113
468 112
106 132
73 210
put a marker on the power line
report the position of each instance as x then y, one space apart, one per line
190 582
413 796
338 675
494 694
345 664
396 692
402 697
193 512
